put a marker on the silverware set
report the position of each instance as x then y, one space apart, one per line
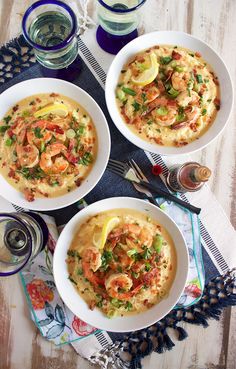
131 172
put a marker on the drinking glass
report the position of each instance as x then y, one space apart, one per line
22 237
50 27
118 22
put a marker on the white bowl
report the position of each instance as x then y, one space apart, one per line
45 85
179 39
96 318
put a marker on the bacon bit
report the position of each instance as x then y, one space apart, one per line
38 99
137 121
78 182
179 143
198 55
94 140
124 115
193 127
53 94
194 72
156 170
89 127
15 108
55 128
145 302
10 133
156 47
149 276
4 164
12 174
161 86
175 55
217 103
158 140
72 144
29 194
172 103
92 304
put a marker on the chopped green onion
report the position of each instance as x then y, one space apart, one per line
162 110
147 253
144 96
174 93
121 95
119 269
157 243
128 305
117 303
179 69
165 59
131 252
173 64
70 133
204 111
42 146
8 142
147 267
37 132
111 313
199 78
129 91
149 122
99 304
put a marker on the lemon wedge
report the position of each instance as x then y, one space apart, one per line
148 75
99 238
58 109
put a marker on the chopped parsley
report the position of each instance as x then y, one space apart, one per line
199 78
37 132
136 106
128 91
128 305
86 159
7 119
8 142
106 259
165 59
3 129
204 111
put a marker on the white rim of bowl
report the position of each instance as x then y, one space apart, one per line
30 205
143 144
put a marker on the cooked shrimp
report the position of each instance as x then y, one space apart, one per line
180 81
92 256
187 97
37 133
192 114
118 282
145 237
59 165
91 262
28 155
152 92
167 119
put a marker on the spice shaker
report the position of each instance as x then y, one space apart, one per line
188 177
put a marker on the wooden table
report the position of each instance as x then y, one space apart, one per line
21 345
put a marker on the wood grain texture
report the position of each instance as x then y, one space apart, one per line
21 345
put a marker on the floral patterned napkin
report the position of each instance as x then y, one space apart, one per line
57 323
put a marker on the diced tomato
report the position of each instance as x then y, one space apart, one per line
55 128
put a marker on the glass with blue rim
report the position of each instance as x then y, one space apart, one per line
50 27
118 21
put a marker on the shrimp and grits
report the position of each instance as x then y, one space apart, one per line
168 95
122 262
48 144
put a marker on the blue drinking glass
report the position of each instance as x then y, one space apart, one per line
118 22
50 27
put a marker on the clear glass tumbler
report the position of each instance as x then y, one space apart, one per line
50 27
118 22
22 237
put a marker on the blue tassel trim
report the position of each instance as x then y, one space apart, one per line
218 294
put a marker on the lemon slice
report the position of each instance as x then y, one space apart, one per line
99 238
58 109
149 74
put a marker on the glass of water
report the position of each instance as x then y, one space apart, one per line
50 27
118 22
22 237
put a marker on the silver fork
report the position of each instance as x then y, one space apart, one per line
125 171
140 188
